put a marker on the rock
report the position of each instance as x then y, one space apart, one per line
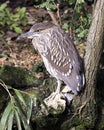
18 77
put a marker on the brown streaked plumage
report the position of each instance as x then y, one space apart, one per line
59 54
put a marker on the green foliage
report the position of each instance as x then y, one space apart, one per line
49 4
79 22
11 20
80 1
19 108
80 19
3 41
65 26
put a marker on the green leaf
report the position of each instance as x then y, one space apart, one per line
65 26
44 4
18 120
51 6
48 4
10 120
22 12
80 1
83 33
3 122
15 17
24 21
29 108
23 119
70 2
13 25
20 97
3 6
18 30
2 15
3 41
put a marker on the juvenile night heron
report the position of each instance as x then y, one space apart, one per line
59 54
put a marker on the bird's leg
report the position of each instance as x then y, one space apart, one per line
57 91
55 103
58 87
55 100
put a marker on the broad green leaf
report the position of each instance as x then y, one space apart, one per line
20 97
18 120
3 122
10 120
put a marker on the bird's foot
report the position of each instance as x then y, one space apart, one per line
52 96
68 95
55 104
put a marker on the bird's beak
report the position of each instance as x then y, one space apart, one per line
28 34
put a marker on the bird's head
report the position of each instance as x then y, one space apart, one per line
35 30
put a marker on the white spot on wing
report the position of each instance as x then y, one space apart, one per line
78 84
69 71
57 54
67 54
64 51
70 66
59 64
73 62
63 74
52 57
78 89
77 77
55 60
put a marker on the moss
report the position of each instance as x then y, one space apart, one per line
84 125
39 67
46 121
101 126
77 123
80 127
18 77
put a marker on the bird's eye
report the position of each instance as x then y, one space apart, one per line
38 30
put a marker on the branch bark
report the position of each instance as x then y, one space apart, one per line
85 105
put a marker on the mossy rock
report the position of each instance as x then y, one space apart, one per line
78 123
18 77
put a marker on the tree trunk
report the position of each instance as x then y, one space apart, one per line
92 57
84 106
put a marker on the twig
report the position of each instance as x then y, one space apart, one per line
52 16
58 13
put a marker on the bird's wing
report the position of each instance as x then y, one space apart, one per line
64 59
